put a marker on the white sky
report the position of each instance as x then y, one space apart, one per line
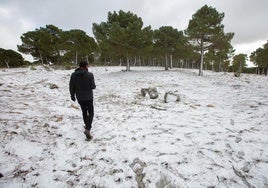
246 18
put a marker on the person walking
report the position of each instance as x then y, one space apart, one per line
81 85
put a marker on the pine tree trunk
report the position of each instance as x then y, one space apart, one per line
128 65
166 65
41 58
220 65
76 57
171 63
7 63
202 57
135 61
87 59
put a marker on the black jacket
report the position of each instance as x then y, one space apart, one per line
81 85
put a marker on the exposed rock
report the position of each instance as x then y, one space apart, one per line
164 182
171 97
74 106
151 91
237 74
246 168
59 118
144 91
194 106
158 107
53 86
240 155
115 171
137 166
238 139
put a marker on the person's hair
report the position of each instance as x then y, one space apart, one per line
83 64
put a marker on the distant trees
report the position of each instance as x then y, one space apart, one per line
10 58
42 44
206 32
123 37
52 45
76 45
239 63
165 41
260 58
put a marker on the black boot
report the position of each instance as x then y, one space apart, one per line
88 135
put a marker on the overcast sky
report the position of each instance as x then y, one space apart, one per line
246 18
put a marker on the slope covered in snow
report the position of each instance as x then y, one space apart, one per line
216 136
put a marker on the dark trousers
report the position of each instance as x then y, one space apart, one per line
87 112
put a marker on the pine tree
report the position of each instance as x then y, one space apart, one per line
204 29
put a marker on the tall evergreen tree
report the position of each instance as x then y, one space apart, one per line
121 36
31 44
77 46
260 58
239 62
223 49
185 50
43 44
209 60
166 39
53 43
204 29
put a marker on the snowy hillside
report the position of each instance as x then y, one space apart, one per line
216 136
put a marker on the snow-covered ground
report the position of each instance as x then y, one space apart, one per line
216 136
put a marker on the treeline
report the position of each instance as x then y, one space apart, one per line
51 45
11 58
260 58
123 39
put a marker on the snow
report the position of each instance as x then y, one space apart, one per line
215 136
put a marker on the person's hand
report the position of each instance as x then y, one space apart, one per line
73 98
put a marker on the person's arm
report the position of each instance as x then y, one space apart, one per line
93 85
72 88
